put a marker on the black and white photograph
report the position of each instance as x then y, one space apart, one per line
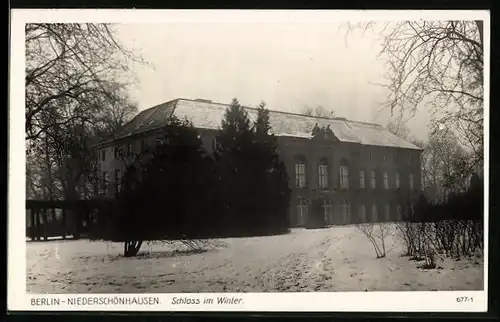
257 152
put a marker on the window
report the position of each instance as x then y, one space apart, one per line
396 158
344 177
116 152
374 179
300 174
104 183
386 180
346 211
387 212
118 178
370 156
399 212
362 179
362 213
103 155
411 181
397 180
214 144
385 157
374 213
129 149
323 175
144 145
302 211
327 211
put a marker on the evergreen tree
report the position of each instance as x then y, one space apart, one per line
252 179
172 197
270 175
233 165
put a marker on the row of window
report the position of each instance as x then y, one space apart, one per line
411 158
119 151
323 183
104 184
302 210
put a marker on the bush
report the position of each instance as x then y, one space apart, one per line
452 228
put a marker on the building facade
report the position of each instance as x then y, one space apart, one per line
340 171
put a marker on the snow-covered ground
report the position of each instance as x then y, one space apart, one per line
333 259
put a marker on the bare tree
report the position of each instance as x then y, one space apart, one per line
75 93
446 166
71 69
376 235
438 64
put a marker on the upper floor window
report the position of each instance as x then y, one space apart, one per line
323 174
370 156
385 157
215 144
386 180
344 176
362 179
103 155
300 172
411 182
396 158
374 179
397 181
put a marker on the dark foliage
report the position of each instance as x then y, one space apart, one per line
179 192
467 205
170 195
453 227
252 178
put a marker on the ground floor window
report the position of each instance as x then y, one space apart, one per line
362 213
328 211
346 211
399 212
387 212
374 213
302 211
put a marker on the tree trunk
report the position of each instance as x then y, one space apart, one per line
63 219
131 248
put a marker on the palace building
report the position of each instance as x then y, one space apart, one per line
341 171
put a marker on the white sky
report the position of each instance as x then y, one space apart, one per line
287 65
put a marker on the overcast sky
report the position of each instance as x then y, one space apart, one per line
286 65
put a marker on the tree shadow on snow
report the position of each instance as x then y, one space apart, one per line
169 254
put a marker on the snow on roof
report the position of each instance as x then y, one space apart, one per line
208 115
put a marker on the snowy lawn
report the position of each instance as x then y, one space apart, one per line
333 259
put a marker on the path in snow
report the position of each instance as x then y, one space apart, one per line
334 259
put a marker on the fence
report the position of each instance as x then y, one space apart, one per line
61 218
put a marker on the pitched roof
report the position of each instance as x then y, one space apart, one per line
208 115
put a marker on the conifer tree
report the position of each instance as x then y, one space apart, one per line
233 165
274 192
172 197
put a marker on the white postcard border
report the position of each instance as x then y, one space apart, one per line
19 300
